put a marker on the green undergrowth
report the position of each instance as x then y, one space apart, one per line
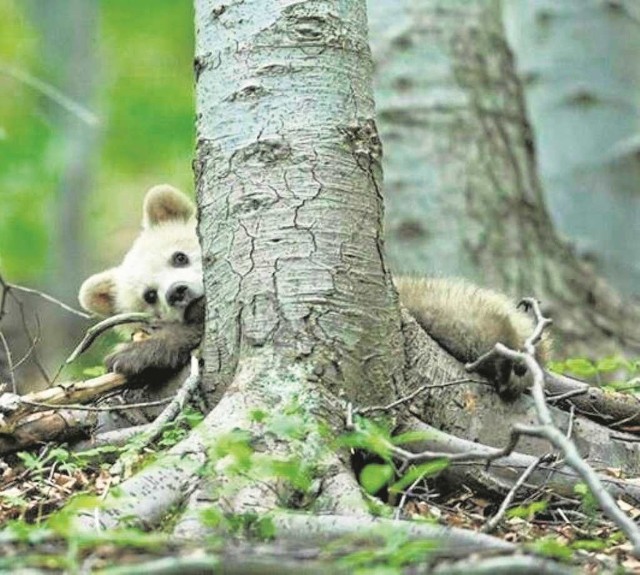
612 373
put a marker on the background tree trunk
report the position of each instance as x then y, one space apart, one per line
463 194
69 32
69 36
288 183
578 60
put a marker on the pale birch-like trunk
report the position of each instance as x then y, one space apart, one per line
462 189
578 60
288 182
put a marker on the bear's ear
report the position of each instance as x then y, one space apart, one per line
165 203
98 293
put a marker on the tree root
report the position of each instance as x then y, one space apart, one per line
331 554
475 413
145 498
617 410
115 438
498 477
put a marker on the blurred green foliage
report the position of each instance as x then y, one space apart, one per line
144 106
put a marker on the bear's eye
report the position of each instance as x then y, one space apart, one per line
150 296
180 260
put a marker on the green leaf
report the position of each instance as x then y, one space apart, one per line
288 426
375 476
258 415
608 364
581 367
581 489
266 528
552 548
556 366
527 511
589 544
237 444
21 531
293 470
30 461
193 417
412 552
370 437
59 454
94 371
419 471
411 437
212 517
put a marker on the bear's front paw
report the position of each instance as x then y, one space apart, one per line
128 361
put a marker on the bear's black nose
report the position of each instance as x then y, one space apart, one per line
179 295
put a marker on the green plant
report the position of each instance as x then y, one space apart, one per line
377 440
611 373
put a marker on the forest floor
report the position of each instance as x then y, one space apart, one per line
37 486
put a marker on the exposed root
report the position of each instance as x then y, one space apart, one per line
503 473
472 412
117 438
617 410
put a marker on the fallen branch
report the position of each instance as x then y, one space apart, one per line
44 426
53 413
13 407
48 298
9 362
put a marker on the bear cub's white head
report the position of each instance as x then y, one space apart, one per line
162 272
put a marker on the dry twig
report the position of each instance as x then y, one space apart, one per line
10 366
95 330
50 299
423 388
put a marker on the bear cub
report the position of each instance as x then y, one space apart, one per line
162 274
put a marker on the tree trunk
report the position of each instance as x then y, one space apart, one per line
288 182
69 33
578 63
463 194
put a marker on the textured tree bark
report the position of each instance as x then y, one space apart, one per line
288 182
462 190
578 64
